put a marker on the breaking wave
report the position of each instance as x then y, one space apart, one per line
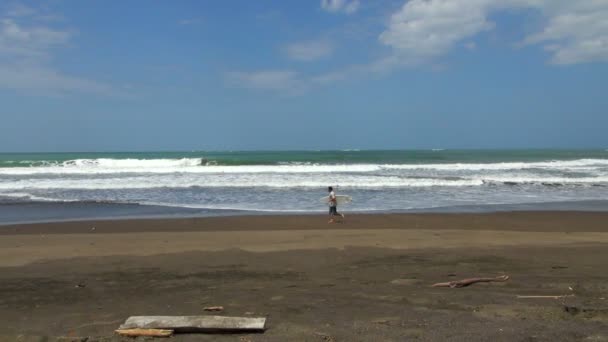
276 184
282 181
202 165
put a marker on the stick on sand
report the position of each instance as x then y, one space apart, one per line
469 281
548 297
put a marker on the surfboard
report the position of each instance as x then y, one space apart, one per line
341 199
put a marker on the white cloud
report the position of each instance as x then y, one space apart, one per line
20 42
426 29
576 31
283 80
344 6
27 45
422 31
37 79
309 50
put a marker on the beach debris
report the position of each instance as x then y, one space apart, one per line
573 310
80 285
385 320
325 337
213 308
558 267
470 281
218 324
546 297
145 332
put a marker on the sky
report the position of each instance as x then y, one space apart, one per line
147 75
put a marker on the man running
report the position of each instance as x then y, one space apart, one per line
333 205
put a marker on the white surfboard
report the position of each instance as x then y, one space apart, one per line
341 199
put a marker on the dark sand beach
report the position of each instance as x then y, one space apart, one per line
367 279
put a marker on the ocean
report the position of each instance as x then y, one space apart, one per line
63 186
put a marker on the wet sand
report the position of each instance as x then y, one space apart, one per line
366 279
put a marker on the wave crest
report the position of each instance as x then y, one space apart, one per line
202 165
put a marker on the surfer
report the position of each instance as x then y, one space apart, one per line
333 205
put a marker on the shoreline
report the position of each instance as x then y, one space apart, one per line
63 212
528 221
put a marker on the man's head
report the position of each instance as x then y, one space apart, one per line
330 189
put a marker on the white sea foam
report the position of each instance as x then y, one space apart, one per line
198 165
554 165
235 181
107 163
279 181
548 180
118 174
186 165
31 197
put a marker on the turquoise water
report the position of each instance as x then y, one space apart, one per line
293 181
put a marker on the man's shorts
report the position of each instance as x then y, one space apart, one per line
333 210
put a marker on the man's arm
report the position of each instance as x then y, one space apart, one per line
332 198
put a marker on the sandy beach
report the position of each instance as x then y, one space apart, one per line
367 279
178 166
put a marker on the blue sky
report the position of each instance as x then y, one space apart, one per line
329 74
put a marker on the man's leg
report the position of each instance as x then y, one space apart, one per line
336 213
332 211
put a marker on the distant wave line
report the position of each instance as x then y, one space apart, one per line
201 165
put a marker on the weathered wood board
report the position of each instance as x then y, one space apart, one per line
196 323
145 332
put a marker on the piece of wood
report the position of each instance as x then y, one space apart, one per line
196 323
467 282
213 308
145 332
550 297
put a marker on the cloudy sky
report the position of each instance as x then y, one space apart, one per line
329 74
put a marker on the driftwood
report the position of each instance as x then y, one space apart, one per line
213 308
548 297
467 282
145 332
196 323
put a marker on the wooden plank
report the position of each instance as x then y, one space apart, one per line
196 323
145 332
